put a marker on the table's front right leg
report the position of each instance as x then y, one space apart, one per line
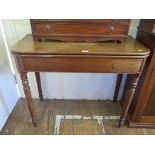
28 96
134 78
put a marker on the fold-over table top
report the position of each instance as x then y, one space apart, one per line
28 46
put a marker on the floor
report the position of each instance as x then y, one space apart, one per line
69 117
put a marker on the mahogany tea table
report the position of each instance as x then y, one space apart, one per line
103 57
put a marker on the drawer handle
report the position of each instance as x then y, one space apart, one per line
111 29
47 28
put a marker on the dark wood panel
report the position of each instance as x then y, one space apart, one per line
147 119
145 92
142 110
147 25
150 108
142 125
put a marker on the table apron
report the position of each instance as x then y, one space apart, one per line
80 64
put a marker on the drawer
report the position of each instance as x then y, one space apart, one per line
79 28
81 64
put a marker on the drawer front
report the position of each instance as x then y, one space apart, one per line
81 64
80 28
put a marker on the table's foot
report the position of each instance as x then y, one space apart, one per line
35 122
120 123
41 98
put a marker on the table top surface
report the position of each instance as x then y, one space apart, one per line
28 46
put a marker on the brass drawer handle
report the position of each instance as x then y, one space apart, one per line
47 28
111 29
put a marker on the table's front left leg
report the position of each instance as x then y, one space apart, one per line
134 78
28 96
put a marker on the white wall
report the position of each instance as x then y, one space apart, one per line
15 29
3 55
8 90
65 85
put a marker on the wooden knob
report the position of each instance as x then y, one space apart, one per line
111 29
47 27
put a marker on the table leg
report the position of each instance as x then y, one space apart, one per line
133 81
118 83
28 96
37 74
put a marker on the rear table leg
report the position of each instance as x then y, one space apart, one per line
37 74
118 83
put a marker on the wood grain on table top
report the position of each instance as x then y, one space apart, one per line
130 47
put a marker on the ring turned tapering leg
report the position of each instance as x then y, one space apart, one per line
28 96
133 81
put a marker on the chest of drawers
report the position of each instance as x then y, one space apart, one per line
80 30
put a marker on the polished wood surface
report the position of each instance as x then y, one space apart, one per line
129 48
81 30
47 113
128 57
